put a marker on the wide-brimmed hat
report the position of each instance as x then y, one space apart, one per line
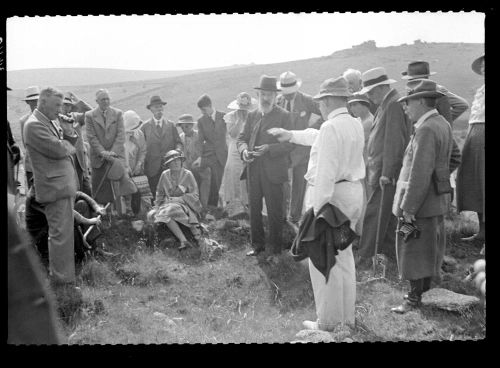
268 83
173 155
374 77
289 83
358 97
420 88
131 120
186 119
32 93
243 102
417 70
335 87
476 65
154 100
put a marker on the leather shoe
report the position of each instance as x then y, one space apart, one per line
407 306
185 244
254 252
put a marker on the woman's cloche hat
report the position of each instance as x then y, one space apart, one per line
173 155
131 120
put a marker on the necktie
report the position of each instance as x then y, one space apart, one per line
158 127
289 105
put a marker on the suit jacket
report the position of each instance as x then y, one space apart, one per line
27 161
212 137
275 161
157 145
457 104
109 136
53 167
388 139
427 157
303 106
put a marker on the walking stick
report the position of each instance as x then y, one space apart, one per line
397 246
103 178
377 237
92 226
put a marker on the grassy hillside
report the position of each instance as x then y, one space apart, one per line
451 61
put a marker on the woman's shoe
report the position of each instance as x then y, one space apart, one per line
185 244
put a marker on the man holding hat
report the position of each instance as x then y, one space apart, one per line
192 153
450 105
161 136
212 132
266 167
470 175
386 144
423 192
334 175
31 100
301 106
72 122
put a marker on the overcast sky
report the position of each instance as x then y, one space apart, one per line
175 42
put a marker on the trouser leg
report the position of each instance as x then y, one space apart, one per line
153 183
59 216
287 194
203 179
298 191
29 179
255 195
416 290
273 194
217 171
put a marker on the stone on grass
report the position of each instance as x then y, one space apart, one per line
315 336
449 300
348 340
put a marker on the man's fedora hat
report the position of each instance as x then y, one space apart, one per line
154 101
289 83
173 155
186 119
268 83
476 65
421 88
417 70
335 87
358 97
243 102
32 93
131 120
374 77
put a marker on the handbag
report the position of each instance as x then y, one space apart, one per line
142 184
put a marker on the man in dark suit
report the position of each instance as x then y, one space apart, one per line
301 106
423 191
387 141
161 136
267 167
55 181
213 147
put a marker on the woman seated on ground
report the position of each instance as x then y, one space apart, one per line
177 199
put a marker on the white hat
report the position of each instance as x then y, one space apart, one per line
243 102
131 120
374 77
289 83
32 93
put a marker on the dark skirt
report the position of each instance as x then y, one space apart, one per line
470 174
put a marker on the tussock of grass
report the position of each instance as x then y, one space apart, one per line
95 273
145 269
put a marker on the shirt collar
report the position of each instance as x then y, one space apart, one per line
213 115
334 113
158 121
424 118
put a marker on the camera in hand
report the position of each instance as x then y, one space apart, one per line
407 230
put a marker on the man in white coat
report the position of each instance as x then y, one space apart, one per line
334 175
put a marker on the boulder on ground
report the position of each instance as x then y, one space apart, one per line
315 336
449 300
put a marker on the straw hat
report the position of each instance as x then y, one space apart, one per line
289 83
422 88
243 102
335 87
32 93
476 65
131 120
417 70
374 77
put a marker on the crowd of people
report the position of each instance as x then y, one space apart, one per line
357 154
